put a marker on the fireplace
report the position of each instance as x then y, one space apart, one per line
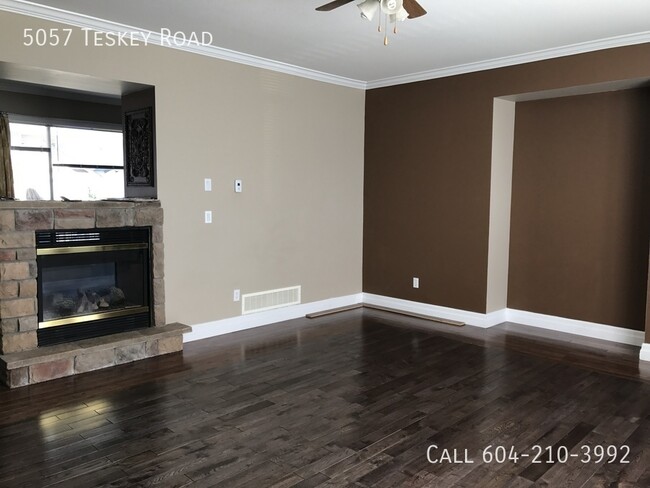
48 265
92 283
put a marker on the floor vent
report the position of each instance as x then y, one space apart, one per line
268 300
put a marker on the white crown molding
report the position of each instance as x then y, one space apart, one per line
88 22
71 18
542 55
249 321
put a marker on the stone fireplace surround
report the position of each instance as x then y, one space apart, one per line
22 362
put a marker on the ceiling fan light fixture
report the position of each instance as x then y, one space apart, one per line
368 9
390 11
391 6
400 16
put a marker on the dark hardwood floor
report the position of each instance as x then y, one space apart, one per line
354 399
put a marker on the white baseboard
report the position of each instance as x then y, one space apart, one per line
578 327
560 324
644 355
249 321
470 318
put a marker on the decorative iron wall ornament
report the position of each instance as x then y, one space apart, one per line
139 163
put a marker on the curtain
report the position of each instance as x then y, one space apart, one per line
6 172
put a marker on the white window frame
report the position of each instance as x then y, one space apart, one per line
49 123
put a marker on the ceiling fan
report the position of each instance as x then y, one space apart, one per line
394 11
413 8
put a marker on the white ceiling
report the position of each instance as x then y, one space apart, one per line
455 35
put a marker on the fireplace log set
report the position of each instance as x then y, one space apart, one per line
87 301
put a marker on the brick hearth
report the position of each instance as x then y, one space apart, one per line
22 362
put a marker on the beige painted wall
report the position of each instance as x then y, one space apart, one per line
503 138
296 143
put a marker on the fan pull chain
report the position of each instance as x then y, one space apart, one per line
386 29
379 22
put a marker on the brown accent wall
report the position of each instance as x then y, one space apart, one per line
647 311
426 193
427 172
580 219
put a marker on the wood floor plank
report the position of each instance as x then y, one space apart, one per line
347 400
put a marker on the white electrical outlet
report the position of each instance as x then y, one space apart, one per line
235 295
238 185
208 184
208 217
416 282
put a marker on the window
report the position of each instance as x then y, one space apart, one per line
51 163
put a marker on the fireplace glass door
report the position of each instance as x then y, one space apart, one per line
92 283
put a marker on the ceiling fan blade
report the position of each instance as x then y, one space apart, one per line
332 5
414 9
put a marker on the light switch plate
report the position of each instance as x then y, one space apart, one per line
208 217
208 184
238 186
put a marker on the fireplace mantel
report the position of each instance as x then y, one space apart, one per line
18 301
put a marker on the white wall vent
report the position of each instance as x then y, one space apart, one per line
268 300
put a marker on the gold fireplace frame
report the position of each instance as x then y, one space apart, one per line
79 319
93 316
51 251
